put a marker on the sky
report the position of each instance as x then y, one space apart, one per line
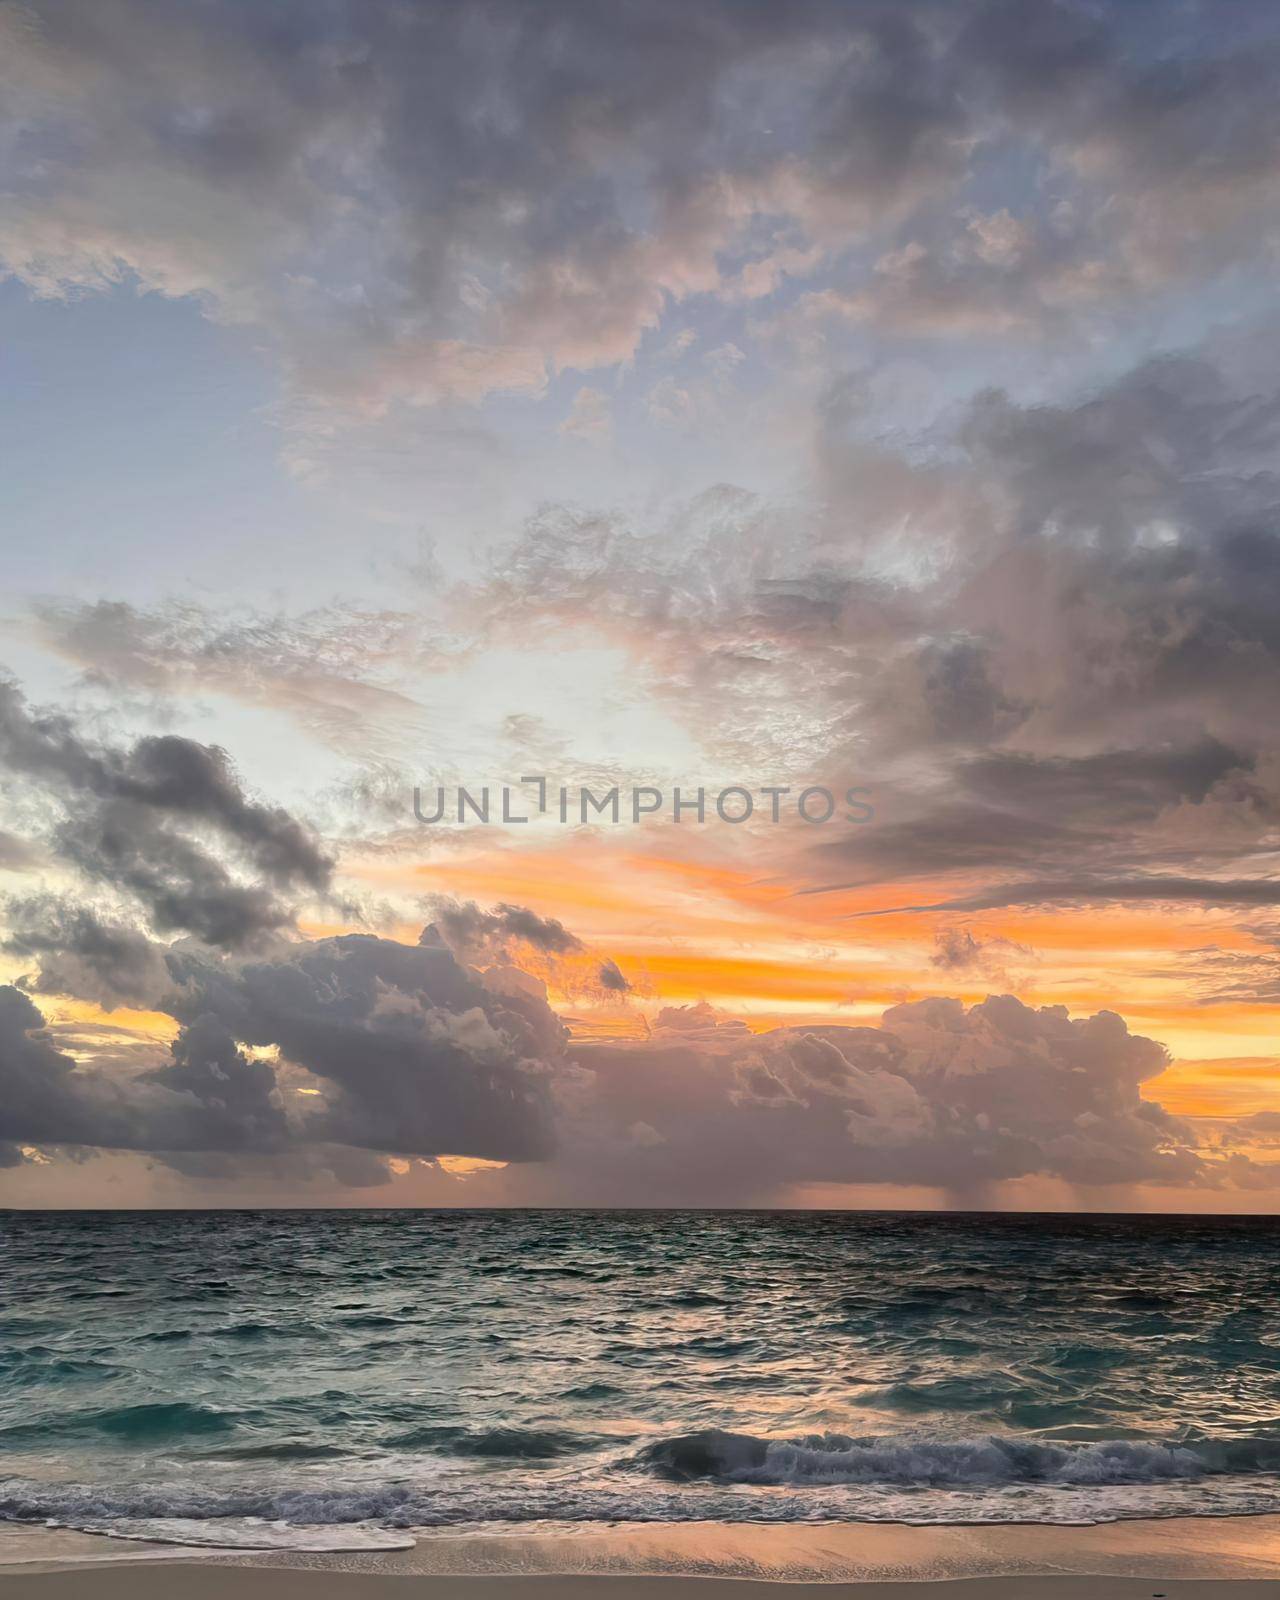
640 395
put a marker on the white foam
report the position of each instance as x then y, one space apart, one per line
252 1533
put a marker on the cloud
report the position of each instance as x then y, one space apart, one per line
668 403
957 949
1057 684
1044 630
471 932
80 954
364 1044
1061 676
938 1095
209 1097
413 1054
611 978
17 854
424 206
327 668
410 1053
162 774
1251 977
590 416
1166 890
136 819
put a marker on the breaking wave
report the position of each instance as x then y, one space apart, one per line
989 1460
708 1475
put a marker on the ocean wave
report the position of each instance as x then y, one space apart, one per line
253 1533
284 1450
991 1459
872 1368
716 1474
140 1424
174 1510
518 1444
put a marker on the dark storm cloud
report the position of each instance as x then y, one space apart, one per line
240 1103
398 1048
137 819
1113 574
1116 786
1008 810
209 1098
283 1171
415 1057
183 887
1170 441
955 837
414 1053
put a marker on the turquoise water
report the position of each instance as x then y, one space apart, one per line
185 1374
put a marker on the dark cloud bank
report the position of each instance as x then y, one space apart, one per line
325 1058
403 1051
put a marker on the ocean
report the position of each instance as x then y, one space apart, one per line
341 1379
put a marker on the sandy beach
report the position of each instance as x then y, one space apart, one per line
211 1583
1178 1559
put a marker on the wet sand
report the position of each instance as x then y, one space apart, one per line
1233 1558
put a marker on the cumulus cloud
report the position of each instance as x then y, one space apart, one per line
412 1054
937 1095
366 1045
415 1053
405 1051
208 1097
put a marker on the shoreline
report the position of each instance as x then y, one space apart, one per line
1225 1555
214 1583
